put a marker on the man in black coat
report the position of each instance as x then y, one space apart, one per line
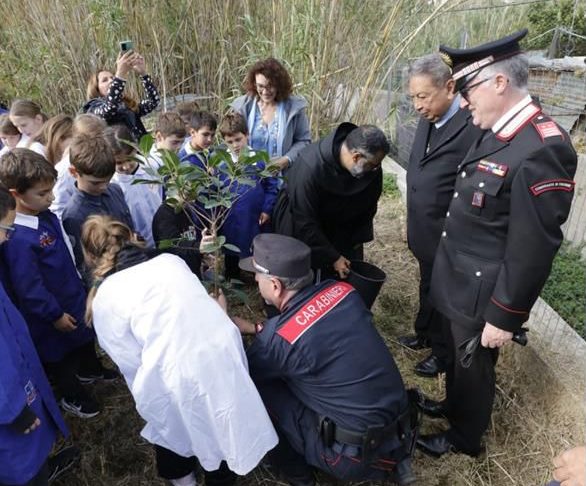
331 195
444 135
512 194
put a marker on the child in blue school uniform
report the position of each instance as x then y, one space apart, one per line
46 286
30 421
170 134
202 131
92 166
251 212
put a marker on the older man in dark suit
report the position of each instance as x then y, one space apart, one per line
444 135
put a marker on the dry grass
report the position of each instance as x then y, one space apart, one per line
534 417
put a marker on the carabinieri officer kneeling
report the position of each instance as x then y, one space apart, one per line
324 373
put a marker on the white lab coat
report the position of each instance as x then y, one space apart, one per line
183 360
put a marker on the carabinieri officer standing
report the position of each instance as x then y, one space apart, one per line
503 228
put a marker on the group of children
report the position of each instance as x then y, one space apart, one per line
61 171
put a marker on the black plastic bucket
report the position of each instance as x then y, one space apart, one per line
367 279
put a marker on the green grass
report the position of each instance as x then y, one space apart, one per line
564 290
390 187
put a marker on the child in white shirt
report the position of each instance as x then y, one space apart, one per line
143 199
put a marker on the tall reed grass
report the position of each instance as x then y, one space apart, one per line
49 47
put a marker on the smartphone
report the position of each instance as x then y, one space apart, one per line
126 46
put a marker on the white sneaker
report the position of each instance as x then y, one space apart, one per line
188 480
80 408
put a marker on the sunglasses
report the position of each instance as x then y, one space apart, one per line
465 91
9 229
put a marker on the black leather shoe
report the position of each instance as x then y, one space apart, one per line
413 341
430 367
437 445
431 408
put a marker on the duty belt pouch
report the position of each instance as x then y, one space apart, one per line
372 440
327 431
409 423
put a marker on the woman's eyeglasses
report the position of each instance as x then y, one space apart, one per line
263 87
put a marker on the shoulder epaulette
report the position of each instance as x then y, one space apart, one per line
546 127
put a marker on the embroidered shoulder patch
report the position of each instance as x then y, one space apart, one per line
548 129
566 185
499 170
313 310
46 240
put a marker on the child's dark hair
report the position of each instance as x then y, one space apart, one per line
201 119
7 202
233 123
169 124
7 127
22 168
92 155
118 136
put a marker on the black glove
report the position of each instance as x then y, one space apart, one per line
24 421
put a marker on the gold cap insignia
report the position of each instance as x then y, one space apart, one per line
447 59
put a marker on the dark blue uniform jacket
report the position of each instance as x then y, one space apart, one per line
23 383
45 284
326 349
512 194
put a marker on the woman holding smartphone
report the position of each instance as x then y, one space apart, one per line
107 99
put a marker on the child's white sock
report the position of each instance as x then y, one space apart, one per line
188 480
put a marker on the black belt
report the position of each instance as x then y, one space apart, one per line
374 435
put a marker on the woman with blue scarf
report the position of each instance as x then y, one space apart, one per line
276 119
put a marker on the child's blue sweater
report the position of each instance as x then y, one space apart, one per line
46 284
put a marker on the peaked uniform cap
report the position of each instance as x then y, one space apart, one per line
278 255
466 62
